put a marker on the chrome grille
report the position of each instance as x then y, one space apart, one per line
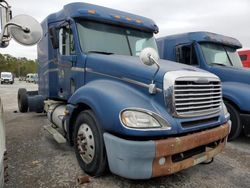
195 98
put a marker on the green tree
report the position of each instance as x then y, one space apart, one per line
18 66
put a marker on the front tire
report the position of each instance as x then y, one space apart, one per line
236 127
89 144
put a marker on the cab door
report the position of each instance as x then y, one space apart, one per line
67 59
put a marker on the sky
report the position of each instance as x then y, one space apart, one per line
227 17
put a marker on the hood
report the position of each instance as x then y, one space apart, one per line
132 68
232 74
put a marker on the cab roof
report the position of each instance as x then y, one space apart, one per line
203 36
103 14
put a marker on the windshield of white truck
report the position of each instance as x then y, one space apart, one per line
6 75
217 54
109 39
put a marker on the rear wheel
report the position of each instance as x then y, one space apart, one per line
89 144
236 122
22 100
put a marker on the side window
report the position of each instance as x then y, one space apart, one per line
186 54
66 42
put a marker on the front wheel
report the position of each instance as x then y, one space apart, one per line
89 144
236 122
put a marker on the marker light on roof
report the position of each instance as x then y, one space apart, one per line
117 17
128 18
91 11
138 21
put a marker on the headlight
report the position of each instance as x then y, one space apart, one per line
226 113
139 119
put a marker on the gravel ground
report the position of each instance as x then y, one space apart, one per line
36 160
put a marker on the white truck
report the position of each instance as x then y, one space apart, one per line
7 77
27 31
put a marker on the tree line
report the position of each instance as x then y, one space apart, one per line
18 66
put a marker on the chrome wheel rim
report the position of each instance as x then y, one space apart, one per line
86 143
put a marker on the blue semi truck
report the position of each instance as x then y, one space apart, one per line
139 121
217 54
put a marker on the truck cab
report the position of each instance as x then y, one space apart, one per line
27 31
106 93
217 54
245 57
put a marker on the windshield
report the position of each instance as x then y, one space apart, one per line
109 39
217 54
6 75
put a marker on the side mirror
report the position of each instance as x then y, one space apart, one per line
53 33
149 56
23 29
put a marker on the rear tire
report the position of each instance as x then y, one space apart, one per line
89 144
236 127
22 98
35 103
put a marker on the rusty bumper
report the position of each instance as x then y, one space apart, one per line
153 158
212 140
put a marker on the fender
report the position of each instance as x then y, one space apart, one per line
108 98
238 93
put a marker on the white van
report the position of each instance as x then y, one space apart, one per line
30 77
7 77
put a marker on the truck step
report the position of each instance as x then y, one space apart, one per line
59 138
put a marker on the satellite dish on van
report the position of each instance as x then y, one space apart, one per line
25 30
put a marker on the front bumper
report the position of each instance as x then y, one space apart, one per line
5 81
148 159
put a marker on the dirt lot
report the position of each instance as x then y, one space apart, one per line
36 160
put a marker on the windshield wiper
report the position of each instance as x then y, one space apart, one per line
100 52
228 56
220 64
